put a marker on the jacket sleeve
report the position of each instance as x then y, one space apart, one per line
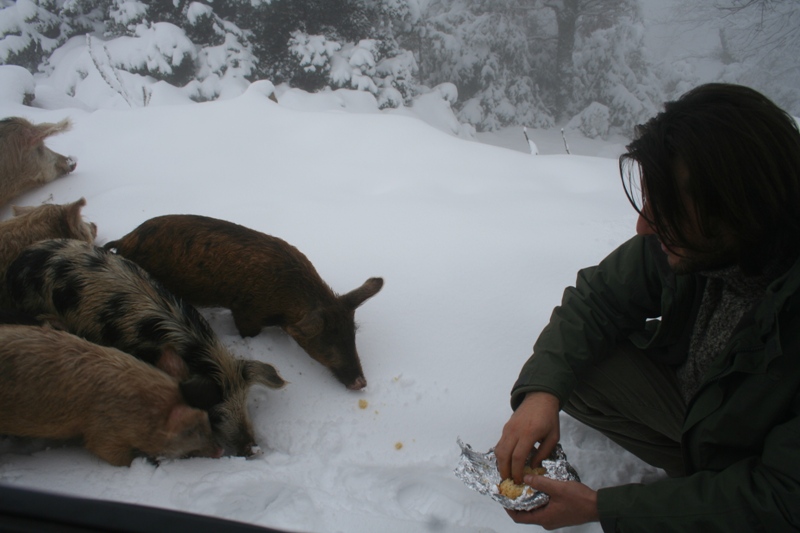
755 494
608 301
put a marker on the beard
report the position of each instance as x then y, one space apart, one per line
694 260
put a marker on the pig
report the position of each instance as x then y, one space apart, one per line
262 279
26 162
111 301
55 385
32 224
9 316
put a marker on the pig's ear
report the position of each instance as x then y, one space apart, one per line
262 373
357 296
78 204
309 326
20 210
74 212
171 363
47 129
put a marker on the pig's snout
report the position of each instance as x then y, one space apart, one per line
65 165
255 452
248 449
358 384
350 376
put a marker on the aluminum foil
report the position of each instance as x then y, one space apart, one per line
479 472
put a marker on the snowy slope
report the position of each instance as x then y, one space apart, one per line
475 243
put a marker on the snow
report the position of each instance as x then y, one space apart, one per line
592 121
475 242
16 83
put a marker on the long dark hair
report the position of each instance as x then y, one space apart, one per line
742 156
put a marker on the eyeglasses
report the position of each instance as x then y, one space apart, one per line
631 175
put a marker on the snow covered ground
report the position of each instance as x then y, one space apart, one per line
475 241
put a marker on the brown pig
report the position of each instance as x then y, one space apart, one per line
26 162
33 224
10 316
55 385
263 280
111 301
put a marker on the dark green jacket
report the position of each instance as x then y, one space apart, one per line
741 435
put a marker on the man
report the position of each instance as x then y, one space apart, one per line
683 345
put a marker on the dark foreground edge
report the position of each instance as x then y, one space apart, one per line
26 511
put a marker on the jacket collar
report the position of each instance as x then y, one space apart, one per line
778 292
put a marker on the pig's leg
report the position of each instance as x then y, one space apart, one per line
247 325
108 449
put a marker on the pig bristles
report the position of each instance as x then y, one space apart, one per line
46 130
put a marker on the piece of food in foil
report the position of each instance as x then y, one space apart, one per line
512 490
479 472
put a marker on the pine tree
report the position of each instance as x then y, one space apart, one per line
183 43
311 44
31 29
528 62
759 43
275 24
611 67
483 48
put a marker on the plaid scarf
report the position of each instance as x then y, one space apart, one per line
729 294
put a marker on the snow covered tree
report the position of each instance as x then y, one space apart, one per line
527 62
275 24
610 67
599 58
359 66
184 43
313 44
482 47
535 62
759 43
397 68
172 38
224 48
31 29
309 44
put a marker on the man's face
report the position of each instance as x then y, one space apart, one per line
699 253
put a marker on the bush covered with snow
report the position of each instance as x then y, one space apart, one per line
593 121
538 66
16 84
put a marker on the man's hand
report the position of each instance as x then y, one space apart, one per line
571 503
535 420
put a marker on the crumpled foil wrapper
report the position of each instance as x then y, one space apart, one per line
479 472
